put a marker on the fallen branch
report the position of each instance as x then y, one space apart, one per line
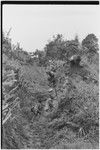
61 124
6 118
13 90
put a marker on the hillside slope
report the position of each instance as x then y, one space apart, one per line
38 115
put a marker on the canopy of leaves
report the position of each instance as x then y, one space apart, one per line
60 49
91 43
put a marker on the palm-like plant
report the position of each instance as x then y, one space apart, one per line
11 98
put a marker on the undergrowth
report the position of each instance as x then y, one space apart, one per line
69 121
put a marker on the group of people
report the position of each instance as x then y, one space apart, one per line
52 81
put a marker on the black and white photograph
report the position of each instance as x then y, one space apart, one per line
50 75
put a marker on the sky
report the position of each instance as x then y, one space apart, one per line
34 25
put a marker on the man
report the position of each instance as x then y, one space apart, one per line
51 78
48 105
36 109
75 60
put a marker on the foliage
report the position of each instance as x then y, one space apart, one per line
91 43
58 48
38 115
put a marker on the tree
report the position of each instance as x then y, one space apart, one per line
72 48
55 47
40 55
6 43
77 39
60 49
91 43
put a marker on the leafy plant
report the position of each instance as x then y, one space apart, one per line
73 119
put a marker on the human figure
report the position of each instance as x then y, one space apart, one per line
17 74
51 78
36 109
66 82
75 60
48 105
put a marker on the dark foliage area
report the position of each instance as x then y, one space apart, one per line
50 98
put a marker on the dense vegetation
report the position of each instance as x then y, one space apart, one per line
49 99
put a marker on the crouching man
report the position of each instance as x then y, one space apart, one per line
36 109
48 105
